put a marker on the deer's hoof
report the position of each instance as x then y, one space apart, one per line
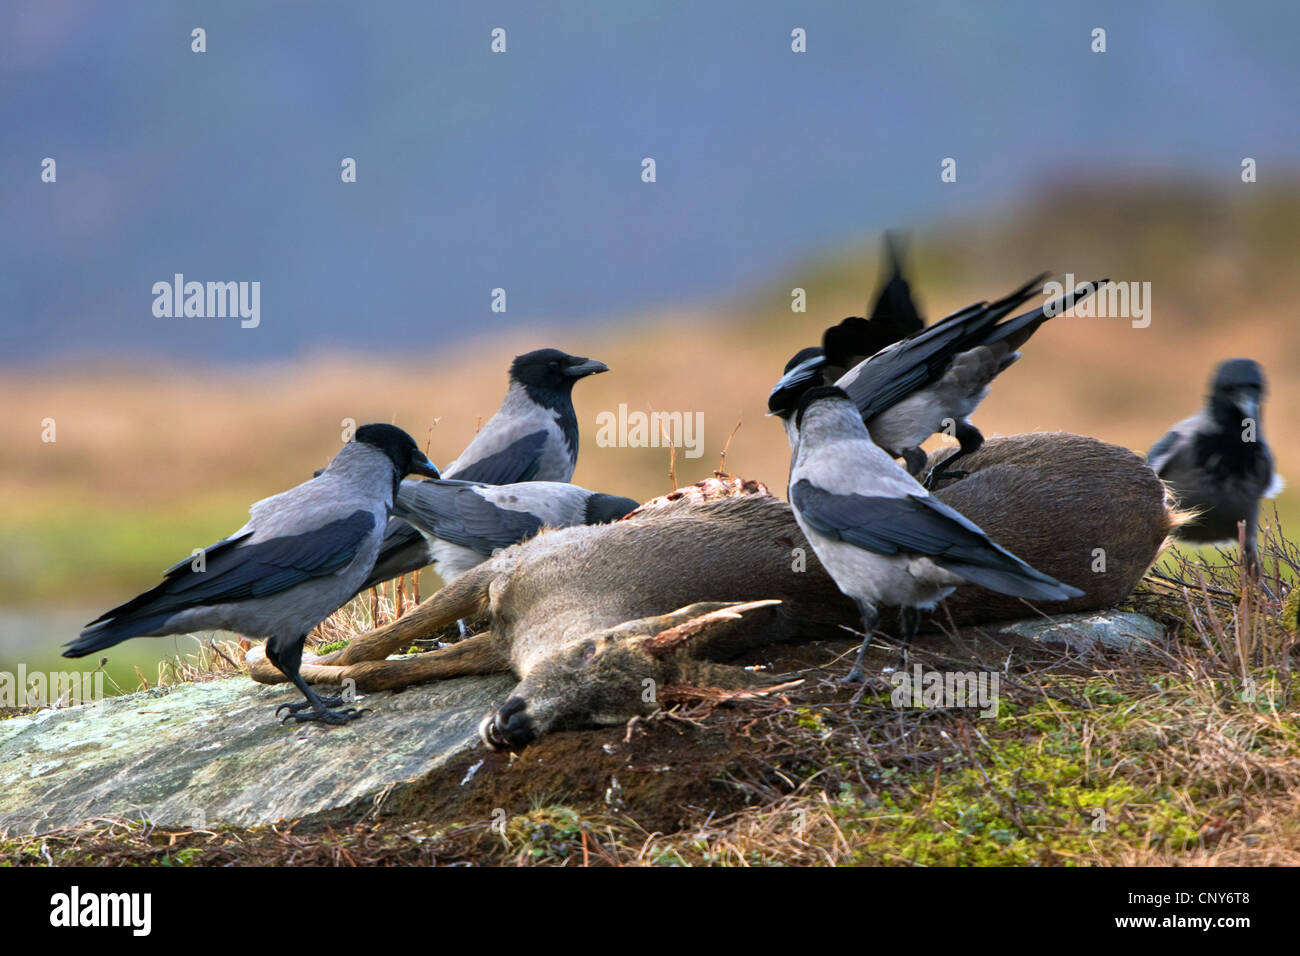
510 728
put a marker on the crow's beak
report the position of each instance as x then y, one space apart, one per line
422 466
585 367
1249 408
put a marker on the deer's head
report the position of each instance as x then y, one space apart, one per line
617 673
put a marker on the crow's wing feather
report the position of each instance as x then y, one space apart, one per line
1016 332
457 513
890 376
921 525
518 461
1163 450
235 570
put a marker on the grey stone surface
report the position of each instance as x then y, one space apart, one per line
212 753
1108 630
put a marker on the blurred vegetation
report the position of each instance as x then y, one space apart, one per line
154 459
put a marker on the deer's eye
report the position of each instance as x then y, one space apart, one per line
588 651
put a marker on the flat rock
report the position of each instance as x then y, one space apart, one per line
211 753
203 755
1085 633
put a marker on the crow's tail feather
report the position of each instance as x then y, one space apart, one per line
114 630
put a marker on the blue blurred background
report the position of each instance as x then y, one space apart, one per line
522 170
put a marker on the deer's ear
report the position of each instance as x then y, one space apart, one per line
696 621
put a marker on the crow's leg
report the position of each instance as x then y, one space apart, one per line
870 617
287 657
1250 553
909 622
915 459
969 440
1249 545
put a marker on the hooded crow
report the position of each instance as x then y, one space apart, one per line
1218 463
880 535
894 317
467 522
532 437
930 381
299 558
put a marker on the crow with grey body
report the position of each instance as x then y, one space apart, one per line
532 437
1218 463
880 535
466 522
927 379
300 557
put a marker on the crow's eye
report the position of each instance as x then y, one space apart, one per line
555 364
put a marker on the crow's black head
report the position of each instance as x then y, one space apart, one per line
400 448
1238 373
1237 387
602 509
803 355
802 372
819 393
552 369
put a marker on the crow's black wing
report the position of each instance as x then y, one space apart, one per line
922 525
518 461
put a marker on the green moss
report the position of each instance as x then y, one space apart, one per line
1291 611
1032 795
809 719
181 857
548 833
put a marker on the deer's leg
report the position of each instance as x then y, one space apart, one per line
479 654
467 596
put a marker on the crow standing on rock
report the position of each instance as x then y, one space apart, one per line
300 557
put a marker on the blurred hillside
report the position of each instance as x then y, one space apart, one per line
153 460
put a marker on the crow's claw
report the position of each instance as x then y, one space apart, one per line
335 717
332 701
940 474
